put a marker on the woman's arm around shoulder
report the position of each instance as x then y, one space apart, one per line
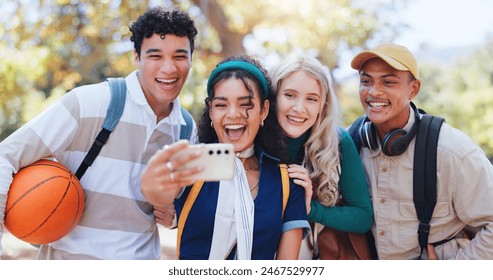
357 213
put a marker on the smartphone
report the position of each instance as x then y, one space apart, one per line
217 160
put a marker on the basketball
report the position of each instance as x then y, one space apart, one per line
44 203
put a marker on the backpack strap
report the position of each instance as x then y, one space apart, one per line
186 130
285 185
118 91
197 186
192 196
354 131
425 175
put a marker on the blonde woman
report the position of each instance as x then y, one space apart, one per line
324 158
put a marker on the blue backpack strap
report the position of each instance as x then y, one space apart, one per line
118 91
117 102
186 130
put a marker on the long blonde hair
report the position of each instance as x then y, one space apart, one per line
322 147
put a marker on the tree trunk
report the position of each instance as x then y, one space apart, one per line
232 42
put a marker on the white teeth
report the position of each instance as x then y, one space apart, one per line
295 119
378 104
167 81
234 126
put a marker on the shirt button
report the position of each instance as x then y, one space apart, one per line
382 200
384 169
382 233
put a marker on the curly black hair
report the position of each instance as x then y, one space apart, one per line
158 20
274 146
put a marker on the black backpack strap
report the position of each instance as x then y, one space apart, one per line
354 131
114 112
425 175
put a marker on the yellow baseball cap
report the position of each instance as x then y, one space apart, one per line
398 57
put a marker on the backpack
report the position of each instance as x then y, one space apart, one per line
118 91
424 169
197 186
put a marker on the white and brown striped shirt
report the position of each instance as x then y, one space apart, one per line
117 222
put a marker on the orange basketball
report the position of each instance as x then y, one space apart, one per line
44 203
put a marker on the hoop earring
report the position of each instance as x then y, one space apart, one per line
212 124
261 123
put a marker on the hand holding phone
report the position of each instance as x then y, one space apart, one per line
216 159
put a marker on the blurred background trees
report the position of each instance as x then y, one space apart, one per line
48 47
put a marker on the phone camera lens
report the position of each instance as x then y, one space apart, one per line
211 152
226 152
218 152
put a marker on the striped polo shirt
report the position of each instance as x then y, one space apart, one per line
117 222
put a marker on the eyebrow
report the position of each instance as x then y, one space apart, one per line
155 50
246 97
314 94
219 98
182 51
383 76
225 98
152 50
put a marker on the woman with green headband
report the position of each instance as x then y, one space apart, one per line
244 218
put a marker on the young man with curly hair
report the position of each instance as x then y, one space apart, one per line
117 223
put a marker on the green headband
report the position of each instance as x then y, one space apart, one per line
241 65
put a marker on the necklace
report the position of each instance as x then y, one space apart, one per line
256 186
252 169
252 163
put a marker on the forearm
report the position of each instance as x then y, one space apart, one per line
162 180
343 218
159 195
289 245
356 215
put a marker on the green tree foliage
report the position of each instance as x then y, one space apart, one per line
51 46
463 95
87 40
18 70
271 28
324 27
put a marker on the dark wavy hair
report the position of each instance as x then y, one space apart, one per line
266 136
158 20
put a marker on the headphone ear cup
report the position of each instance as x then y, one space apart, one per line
368 136
395 143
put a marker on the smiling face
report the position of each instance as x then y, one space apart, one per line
164 64
236 116
299 101
385 94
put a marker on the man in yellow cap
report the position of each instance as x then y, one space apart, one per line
389 81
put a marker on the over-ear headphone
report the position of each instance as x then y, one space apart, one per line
394 143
